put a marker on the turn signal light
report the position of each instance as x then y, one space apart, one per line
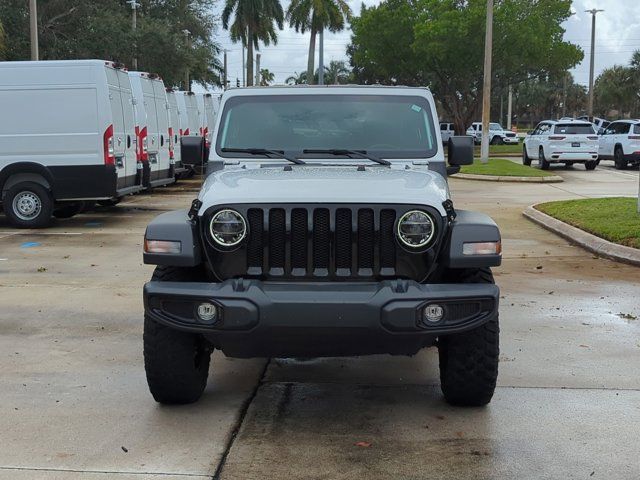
162 246
482 248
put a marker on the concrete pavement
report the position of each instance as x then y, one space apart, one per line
74 393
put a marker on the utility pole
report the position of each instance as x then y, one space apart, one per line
244 72
224 79
564 95
486 89
187 82
593 13
257 82
33 27
321 59
510 107
134 26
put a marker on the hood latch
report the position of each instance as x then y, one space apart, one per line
195 208
451 212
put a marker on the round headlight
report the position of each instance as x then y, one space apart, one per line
416 229
228 228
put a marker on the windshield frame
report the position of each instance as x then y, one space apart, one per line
416 99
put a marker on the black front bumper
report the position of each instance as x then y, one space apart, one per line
321 319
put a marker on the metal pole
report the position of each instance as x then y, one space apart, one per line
321 59
257 69
593 13
33 27
486 89
564 95
224 84
244 72
134 25
187 82
510 107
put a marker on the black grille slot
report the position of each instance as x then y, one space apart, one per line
299 238
254 245
321 238
366 238
387 239
343 238
277 237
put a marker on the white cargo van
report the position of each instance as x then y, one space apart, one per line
66 136
174 132
192 142
152 127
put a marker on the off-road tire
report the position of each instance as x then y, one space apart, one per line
526 159
591 165
544 165
41 196
497 140
619 160
469 360
176 362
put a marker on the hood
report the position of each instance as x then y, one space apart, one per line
324 184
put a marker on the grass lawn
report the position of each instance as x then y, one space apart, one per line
504 167
614 219
501 149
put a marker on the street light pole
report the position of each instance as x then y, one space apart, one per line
321 58
486 89
593 13
224 84
134 26
187 83
33 27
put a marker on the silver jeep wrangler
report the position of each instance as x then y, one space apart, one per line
325 227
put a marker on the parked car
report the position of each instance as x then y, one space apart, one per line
600 124
174 131
447 130
66 136
567 141
324 241
152 129
497 134
621 143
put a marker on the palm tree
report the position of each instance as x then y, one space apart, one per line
266 77
337 72
253 23
315 16
297 79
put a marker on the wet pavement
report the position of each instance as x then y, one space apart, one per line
75 405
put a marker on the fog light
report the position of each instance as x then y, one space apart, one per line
207 312
433 313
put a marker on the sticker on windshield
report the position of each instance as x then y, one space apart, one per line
416 108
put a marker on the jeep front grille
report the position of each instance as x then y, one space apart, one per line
321 243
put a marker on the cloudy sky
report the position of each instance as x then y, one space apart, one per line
617 36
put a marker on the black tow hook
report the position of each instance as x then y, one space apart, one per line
195 208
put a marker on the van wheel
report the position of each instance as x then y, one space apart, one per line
526 159
68 210
544 165
618 159
28 205
176 362
469 360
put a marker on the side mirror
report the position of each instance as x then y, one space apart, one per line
460 150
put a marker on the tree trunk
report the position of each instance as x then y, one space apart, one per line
311 60
249 57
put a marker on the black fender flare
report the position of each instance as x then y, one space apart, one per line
25 172
471 227
174 226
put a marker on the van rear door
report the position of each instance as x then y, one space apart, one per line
165 164
118 125
153 132
131 163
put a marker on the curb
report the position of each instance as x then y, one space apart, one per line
494 178
597 245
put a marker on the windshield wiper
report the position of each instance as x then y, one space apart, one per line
355 153
266 152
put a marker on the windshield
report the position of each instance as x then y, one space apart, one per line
390 126
575 129
495 126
